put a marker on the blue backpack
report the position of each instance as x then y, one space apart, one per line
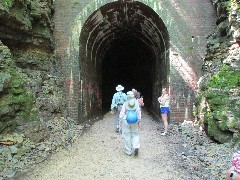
131 116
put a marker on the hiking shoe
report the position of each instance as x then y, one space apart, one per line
164 134
128 153
136 151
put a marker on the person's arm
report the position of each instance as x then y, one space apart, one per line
139 117
113 105
141 101
122 115
163 99
139 113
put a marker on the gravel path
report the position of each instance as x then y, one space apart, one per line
99 154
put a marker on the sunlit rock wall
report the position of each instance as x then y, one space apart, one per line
218 99
30 91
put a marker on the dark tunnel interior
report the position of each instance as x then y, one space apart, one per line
124 44
128 62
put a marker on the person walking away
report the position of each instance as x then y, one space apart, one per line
164 101
117 101
130 117
233 173
140 102
140 99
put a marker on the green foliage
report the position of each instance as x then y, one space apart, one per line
233 123
223 123
16 90
212 127
236 139
19 97
214 131
232 5
10 125
8 2
216 98
228 77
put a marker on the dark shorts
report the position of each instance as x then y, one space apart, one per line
164 110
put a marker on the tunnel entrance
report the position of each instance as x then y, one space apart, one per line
123 43
128 62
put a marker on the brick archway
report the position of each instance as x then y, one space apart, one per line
108 40
183 20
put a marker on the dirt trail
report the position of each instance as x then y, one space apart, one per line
99 154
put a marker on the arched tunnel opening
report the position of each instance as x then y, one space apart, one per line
123 43
128 62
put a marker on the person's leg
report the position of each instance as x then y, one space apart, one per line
135 138
127 137
116 122
165 123
116 119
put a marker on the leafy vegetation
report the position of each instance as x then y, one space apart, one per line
227 77
233 5
8 2
20 99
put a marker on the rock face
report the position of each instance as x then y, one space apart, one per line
30 91
218 98
27 24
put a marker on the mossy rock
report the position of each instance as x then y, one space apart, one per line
227 77
236 138
214 131
8 126
17 106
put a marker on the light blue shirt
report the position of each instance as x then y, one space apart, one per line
118 97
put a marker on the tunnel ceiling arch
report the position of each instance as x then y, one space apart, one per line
123 20
118 20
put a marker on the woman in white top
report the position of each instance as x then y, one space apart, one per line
164 101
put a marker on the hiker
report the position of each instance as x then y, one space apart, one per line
117 101
134 92
140 100
233 173
164 101
130 117
138 97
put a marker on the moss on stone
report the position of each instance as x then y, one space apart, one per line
8 3
227 77
26 100
214 131
18 104
236 138
9 125
211 125
223 125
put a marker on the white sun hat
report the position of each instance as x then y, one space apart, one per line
131 102
119 88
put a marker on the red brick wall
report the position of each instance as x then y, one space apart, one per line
183 18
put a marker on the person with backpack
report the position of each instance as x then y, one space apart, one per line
117 102
130 117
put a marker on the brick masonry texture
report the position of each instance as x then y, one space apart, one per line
188 23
